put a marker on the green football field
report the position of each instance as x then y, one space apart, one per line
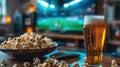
60 23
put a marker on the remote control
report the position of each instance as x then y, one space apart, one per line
64 55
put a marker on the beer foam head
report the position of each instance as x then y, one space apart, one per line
93 19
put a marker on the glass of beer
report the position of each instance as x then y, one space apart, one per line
94 34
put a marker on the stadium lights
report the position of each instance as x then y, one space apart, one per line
71 3
66 5
74 2
43 3
52 6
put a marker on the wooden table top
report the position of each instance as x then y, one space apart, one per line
106 60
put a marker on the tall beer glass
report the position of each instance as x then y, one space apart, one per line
94 34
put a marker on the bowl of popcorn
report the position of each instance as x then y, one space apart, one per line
28 45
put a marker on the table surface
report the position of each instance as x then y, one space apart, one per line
106 59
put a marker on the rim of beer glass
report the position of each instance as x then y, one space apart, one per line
95 17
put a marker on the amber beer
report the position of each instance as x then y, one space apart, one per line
94 33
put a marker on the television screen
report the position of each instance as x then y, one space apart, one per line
60 23
66 15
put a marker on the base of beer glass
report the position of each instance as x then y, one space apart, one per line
100 65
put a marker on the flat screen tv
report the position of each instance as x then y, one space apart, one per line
63 15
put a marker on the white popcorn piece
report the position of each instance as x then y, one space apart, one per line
35 43
38 47
39 36
26 64
61 64
46 39
67 65
39 65
25 46
75 64
56 62
15 65
114 63
46 64
85 64
36 61
9 39
2 65
49 60
16 43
